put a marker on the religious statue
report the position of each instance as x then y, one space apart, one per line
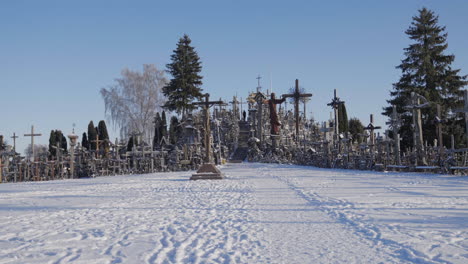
274 121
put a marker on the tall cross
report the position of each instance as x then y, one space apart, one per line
395 124
418 102
259 87
297 96
335 103
465 110
32 135
14 137
206 104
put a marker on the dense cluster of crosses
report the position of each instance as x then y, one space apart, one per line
260 133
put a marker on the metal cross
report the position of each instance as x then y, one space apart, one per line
297 95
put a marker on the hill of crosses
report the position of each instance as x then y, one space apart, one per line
250 179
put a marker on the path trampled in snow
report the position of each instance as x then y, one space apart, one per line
262 213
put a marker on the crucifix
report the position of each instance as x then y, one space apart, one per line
335 103
297 96
465 110
371 129
206 109
32 135
415 107
14 137
395 124
207 170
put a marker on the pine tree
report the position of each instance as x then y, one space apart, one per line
427 71
185 85
84 141
164 124
342 118
92 135
157 131
355 128
103 135
63 142
174 131
52 144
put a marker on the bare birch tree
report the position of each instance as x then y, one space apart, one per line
133 101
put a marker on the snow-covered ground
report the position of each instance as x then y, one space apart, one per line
262 213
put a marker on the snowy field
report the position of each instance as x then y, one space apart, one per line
261 213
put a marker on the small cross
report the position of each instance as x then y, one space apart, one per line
14 137
259 87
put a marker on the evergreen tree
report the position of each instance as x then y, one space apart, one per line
157 131
92 135
52 144
84 141
63 142
103 135
185 85
174 130
342 118
355 128
132 141
164 124
427 71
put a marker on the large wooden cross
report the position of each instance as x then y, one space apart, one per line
206 104
32 135
417 103
395 124
297 96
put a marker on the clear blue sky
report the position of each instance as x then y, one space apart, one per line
56 55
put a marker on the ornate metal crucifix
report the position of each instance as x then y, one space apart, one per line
297 96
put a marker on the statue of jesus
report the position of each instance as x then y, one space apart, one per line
274 121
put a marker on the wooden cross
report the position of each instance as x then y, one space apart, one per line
335 103
417 103
297 96
395 124
465 110
14 137
32 135
439 121
206 104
